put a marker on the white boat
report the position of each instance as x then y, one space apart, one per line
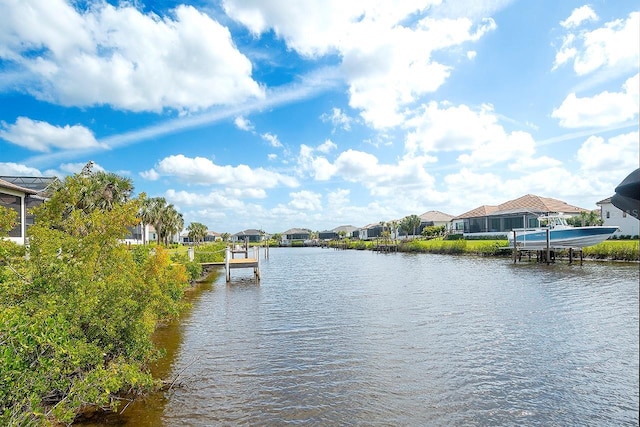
560 235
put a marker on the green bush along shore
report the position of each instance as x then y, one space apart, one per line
78 308
615 250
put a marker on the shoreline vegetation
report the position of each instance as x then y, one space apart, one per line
611 250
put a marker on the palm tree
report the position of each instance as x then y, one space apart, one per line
171 222
409 223
197 231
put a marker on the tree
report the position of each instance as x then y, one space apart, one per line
225 236
89 190
197 231
172 223
76 319
145 214
410 223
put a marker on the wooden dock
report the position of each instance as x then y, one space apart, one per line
231 262
546 255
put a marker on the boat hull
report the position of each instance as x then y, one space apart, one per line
565 238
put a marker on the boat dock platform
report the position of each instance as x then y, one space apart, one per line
545 253
231 262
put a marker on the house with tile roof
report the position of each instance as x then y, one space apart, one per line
518 213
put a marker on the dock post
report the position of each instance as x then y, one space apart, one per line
227 255
191 254
548 249
256 270
570 256
515 248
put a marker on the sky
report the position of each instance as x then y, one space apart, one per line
278 114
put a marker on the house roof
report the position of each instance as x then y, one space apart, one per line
345 228
604 201
435 216
483 210
38 183
11 186
249 232
296 231
535 203
526 203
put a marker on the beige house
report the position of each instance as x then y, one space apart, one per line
518 213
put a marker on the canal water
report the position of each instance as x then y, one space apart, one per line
360 338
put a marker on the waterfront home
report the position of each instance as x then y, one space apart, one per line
16 197
294 235
252 235
211 236
518 213
371 231
435 219
611 215
40 184
336 232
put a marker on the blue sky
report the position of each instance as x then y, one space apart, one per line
275 114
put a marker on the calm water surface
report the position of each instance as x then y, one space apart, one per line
358 338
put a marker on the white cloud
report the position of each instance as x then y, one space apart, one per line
385 51
199 170
578 16
150 175
618 153
614 45
17 169
272 140
471 55
338 119
505 147
306 200
326 146
213 199
121 57
338 199
243 123
318 167
41 136
603 109
482 140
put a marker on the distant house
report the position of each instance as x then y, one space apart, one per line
518 213
611 215
211 236
371 231
435 219
295 234
16 197
336 232
252 235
